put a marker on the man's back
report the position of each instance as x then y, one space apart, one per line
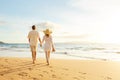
33 36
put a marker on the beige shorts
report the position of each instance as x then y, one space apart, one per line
33 48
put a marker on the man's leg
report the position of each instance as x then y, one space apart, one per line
34 57
33 50
32 53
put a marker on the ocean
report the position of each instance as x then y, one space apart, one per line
85 51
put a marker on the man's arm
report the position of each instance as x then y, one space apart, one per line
29 40
29 37
39 39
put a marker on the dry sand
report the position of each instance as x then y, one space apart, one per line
23 69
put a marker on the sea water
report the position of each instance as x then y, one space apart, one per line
92 51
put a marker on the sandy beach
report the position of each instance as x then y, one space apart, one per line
59 69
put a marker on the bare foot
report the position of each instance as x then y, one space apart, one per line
33 62
48 63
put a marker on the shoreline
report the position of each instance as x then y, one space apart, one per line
59 69
56 56
70 51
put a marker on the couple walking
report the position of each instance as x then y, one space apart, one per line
33 38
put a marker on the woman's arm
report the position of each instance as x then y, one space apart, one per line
53 48
43 40
40 42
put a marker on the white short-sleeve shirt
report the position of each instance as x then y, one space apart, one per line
34 37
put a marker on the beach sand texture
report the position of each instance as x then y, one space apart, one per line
59 69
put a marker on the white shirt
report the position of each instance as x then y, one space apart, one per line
34 37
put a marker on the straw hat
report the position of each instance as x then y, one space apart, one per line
47 31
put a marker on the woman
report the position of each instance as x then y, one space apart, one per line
48 46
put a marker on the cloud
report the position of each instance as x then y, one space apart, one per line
48 24
82 36
3 22
99 18
100 13
94 5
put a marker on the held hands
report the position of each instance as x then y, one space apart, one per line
40 45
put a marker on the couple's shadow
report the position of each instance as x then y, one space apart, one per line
28 65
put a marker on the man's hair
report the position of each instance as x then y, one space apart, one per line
33 27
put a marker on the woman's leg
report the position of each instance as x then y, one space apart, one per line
48 57
47 54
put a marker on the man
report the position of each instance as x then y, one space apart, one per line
33 38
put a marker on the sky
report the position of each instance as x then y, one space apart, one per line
70 20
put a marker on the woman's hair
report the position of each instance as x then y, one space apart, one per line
47 35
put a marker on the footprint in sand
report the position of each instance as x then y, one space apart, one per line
1 74
54 76
83 77
41 75
2 66
52 71
35 78
82 73
76 78
108 78
45 72
50 67
23 74
64 74
6 60
30 69
11 79
65 69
